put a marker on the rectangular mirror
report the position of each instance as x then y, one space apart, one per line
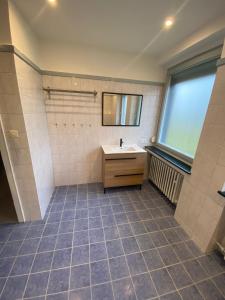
121 109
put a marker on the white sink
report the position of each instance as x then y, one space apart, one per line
113 149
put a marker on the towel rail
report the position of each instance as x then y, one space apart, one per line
49 90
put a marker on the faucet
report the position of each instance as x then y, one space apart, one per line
121 143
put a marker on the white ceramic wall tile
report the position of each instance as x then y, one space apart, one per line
75 129
32 101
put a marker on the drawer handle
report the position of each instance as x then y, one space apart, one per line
129 174
121 158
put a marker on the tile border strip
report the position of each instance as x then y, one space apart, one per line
14 50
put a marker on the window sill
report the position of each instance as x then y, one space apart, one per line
174 161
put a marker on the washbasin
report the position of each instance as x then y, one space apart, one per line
112 149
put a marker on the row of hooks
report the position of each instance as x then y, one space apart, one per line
72 125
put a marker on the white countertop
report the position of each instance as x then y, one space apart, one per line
114 149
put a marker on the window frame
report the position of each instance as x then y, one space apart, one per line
173 71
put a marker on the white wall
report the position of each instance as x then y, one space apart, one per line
200 208
23 38
76 131
5 35
94 61
18 147
32 102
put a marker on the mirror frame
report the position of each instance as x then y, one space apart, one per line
122 94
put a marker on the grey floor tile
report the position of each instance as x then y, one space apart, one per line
179 275
22 265
219 281
162 281
136 263
153 259
62 258
108 220
125 230
138 228
47 243
81 213
51 229
193 248
130 245
81 238
94 212
81 224
29 246
10 249
18 234
209 290
96 235
2 283
168 255
98 251
195 270
99 272
5 266
121 218
102 291
171 236
118 267
145 242
80 294
42 262
35 231
111 233
114 248
171 296
144 286
80 255
151 225
191 292
210 264
95 222
181 233
59 280
64 241
14 288
59 296
37 284
182 251
124 290
80 276
158 239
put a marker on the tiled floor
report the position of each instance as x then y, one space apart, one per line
123 245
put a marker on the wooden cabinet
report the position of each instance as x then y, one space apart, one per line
123 169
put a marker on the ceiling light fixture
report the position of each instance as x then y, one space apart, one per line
52 2
168 23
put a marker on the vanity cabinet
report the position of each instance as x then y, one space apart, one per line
123 169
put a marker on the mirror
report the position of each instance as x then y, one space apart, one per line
121 109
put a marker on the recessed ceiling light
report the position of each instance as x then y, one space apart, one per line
52 2
168 22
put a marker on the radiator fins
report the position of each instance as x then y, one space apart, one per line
166 178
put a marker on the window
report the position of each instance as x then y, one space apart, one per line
184 110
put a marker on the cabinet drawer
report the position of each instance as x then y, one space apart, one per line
123 180
121 166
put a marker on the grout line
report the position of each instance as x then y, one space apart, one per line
47 286
107 258
71 258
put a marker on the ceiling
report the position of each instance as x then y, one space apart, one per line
121 25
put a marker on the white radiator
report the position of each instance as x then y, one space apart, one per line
166 178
